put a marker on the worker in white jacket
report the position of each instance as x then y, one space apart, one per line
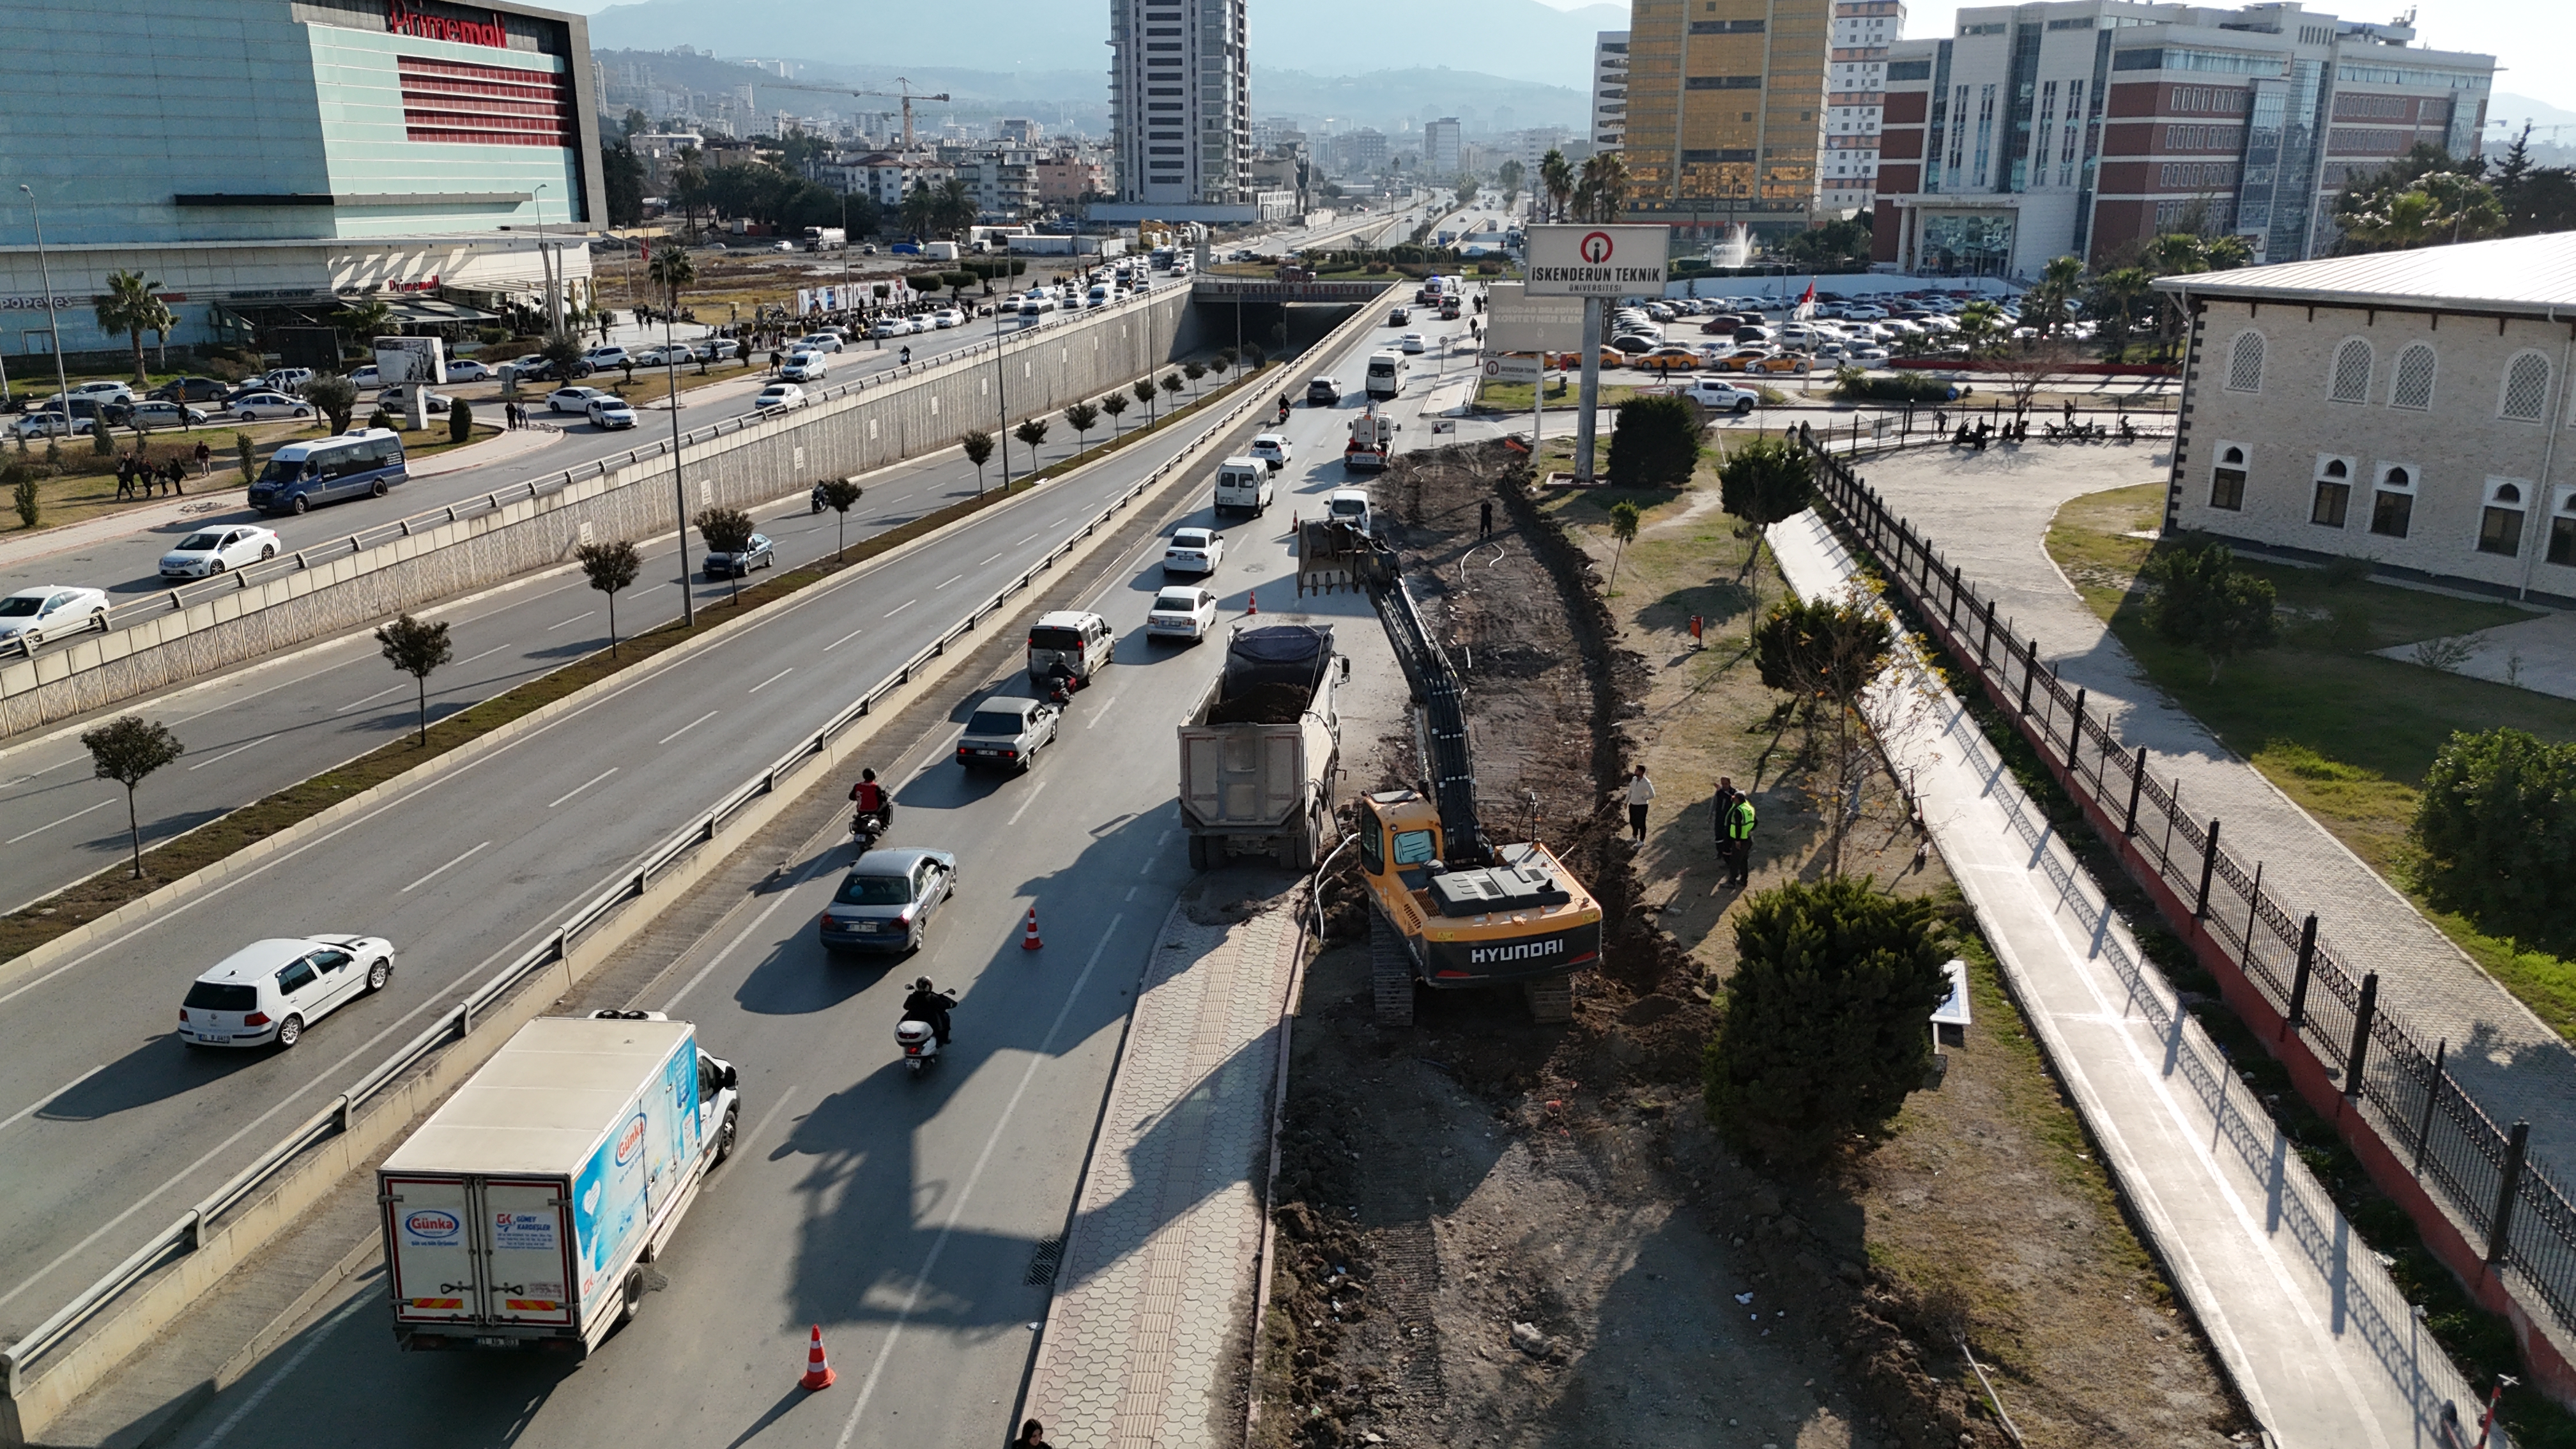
1639 791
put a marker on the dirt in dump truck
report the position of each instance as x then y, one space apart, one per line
1492 1232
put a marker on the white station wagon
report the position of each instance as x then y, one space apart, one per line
270 991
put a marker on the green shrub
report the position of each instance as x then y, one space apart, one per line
1822 1030
2497 825
1657 443
1859 386
2205 604
22 493
460 421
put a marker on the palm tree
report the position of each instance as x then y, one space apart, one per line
133 306
1555 181
671 269
689 185
1601 189
2057 287
956 209
921 209
2116 295
364 319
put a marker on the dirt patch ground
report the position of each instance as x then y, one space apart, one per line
1497 1233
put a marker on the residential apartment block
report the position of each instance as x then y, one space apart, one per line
1727 111
1180 102
1609 90
1441 147
1863 30
2085 127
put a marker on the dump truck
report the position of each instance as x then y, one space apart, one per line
1451 908
1259 751
522 1213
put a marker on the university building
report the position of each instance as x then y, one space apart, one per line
2410 408
2084 127
1863 31
270 161
1726 112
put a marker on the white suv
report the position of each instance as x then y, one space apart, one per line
270 991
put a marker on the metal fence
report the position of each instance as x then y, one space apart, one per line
173 600
192 1228
2516 1213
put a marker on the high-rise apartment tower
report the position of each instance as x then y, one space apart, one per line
1180 100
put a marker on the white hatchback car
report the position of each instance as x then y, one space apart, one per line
210 551
1181 612
947 317
1271 448
574 399
261 406
270 991
49 611
1194 551
780 395
611 413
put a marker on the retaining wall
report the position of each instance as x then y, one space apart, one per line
487 541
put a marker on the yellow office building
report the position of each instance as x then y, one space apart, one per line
1727 111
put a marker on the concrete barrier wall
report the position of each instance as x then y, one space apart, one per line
765 461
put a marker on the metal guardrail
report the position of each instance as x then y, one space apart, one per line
182 597
189 1231
2519 1216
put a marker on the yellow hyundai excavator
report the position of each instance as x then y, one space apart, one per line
1451 909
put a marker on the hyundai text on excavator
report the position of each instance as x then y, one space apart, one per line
1451 908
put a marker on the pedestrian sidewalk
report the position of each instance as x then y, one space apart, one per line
1989 516
2315 1335
1151 1323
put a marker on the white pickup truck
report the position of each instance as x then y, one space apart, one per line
1720 396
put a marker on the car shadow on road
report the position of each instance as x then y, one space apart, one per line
155 1071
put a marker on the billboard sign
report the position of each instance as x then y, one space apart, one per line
1597 261
1509 368
1515 321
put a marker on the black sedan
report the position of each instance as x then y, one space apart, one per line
759 553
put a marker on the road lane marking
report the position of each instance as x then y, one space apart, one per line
228 754
939 1244
899 608
684 729
989 560
370 699
575 619
952 580
1097 713
844 639
1148 868
294 1361
584 785
1131 891
741 936
1033 535
444 869
773 679
486 654
50 824
1025 804
31 1108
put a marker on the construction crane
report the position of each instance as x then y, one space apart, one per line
907 95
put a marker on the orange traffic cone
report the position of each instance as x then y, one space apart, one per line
1029 938
1252 604
818 1369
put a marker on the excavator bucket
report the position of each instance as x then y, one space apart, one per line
1332 556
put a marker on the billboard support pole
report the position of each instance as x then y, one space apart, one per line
1586 415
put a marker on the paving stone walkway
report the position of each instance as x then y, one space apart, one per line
1989 514
2313 1332
1147 1340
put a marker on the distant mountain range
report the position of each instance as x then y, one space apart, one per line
1520 40
1073 100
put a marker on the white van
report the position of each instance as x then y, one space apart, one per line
1243 484
1385 374
1351 506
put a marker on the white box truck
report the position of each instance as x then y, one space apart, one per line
522 1212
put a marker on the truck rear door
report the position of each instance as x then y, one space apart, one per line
527 1252
429 1229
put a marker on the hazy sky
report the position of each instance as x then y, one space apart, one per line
2535 40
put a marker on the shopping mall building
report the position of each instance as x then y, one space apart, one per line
267 162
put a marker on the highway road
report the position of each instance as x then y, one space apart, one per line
901 1216
111 1127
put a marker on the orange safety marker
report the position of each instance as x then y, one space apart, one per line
1029 938
1252 603
818 1369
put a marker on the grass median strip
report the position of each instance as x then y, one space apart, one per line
34 925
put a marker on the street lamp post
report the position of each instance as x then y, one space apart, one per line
1002 401
554 304
45 273
679 485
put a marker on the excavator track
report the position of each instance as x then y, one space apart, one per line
1390 973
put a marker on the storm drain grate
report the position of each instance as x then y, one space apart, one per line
1043 1266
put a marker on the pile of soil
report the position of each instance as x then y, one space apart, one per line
1498 1233
1262 704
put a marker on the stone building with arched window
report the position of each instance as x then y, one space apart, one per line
2412 408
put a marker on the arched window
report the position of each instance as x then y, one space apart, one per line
2332 501
2392 504
2413 386
2245 363
2227 479
2351 378
2562 530
2526 388
2500 525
